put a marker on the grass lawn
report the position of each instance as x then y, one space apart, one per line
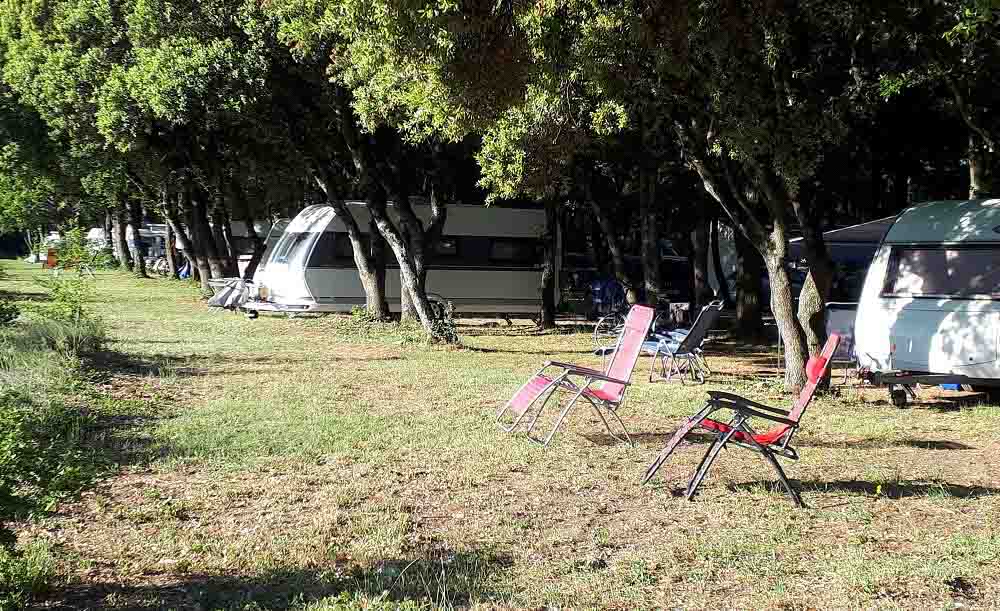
319 464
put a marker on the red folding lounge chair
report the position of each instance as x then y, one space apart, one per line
737 431
604 390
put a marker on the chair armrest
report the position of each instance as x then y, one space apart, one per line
728 396
746 411
573 368
586 372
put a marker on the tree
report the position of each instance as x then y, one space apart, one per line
952 46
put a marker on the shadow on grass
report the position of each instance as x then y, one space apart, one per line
698 438
436 579
891 490
23 296
106 363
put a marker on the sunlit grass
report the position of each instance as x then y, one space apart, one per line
318 463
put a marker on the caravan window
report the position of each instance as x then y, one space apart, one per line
292 247
515 251
925 271
334 250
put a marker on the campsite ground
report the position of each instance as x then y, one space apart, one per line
323 463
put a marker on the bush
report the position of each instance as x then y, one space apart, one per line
68 337
8 312
68 297
24 575
75 252
444 328
41 454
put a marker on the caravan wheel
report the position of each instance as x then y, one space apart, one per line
898 397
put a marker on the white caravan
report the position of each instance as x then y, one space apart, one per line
488 261
930 306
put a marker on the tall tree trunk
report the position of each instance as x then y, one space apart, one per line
359 147
224 260
371 281
650 214
772 243
108 241
379 256
980 168
720 272
137 246
258 251
203 236
615 249
701 289
166 209
227 247
422 241
195 247
404 256
749 271
547 316
816 289
171 254
118 223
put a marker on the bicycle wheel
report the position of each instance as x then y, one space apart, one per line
607 329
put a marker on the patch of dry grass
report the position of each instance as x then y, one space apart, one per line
297 463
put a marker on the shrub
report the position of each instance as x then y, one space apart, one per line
24 575
443 328
68 296
8 312
68 337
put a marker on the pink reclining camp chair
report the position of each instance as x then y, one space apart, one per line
738 432
604 390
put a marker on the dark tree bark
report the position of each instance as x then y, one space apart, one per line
701 289
170 254
225 259
720 272
375 188
547 316
118 223
379 257
650 216
375 302
404 256
749 271
812 298
614 249
194 249
205 241
258 251
108 242
769 238
170 239
981 161
136 246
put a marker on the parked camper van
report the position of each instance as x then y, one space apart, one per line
930 306
487 261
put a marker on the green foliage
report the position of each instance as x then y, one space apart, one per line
444 328
76 253
8 312
41 455
72 251
24 575
68 337
68 297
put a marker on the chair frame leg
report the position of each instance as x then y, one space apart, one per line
773 461
562 416
710 455
675 441
599 408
